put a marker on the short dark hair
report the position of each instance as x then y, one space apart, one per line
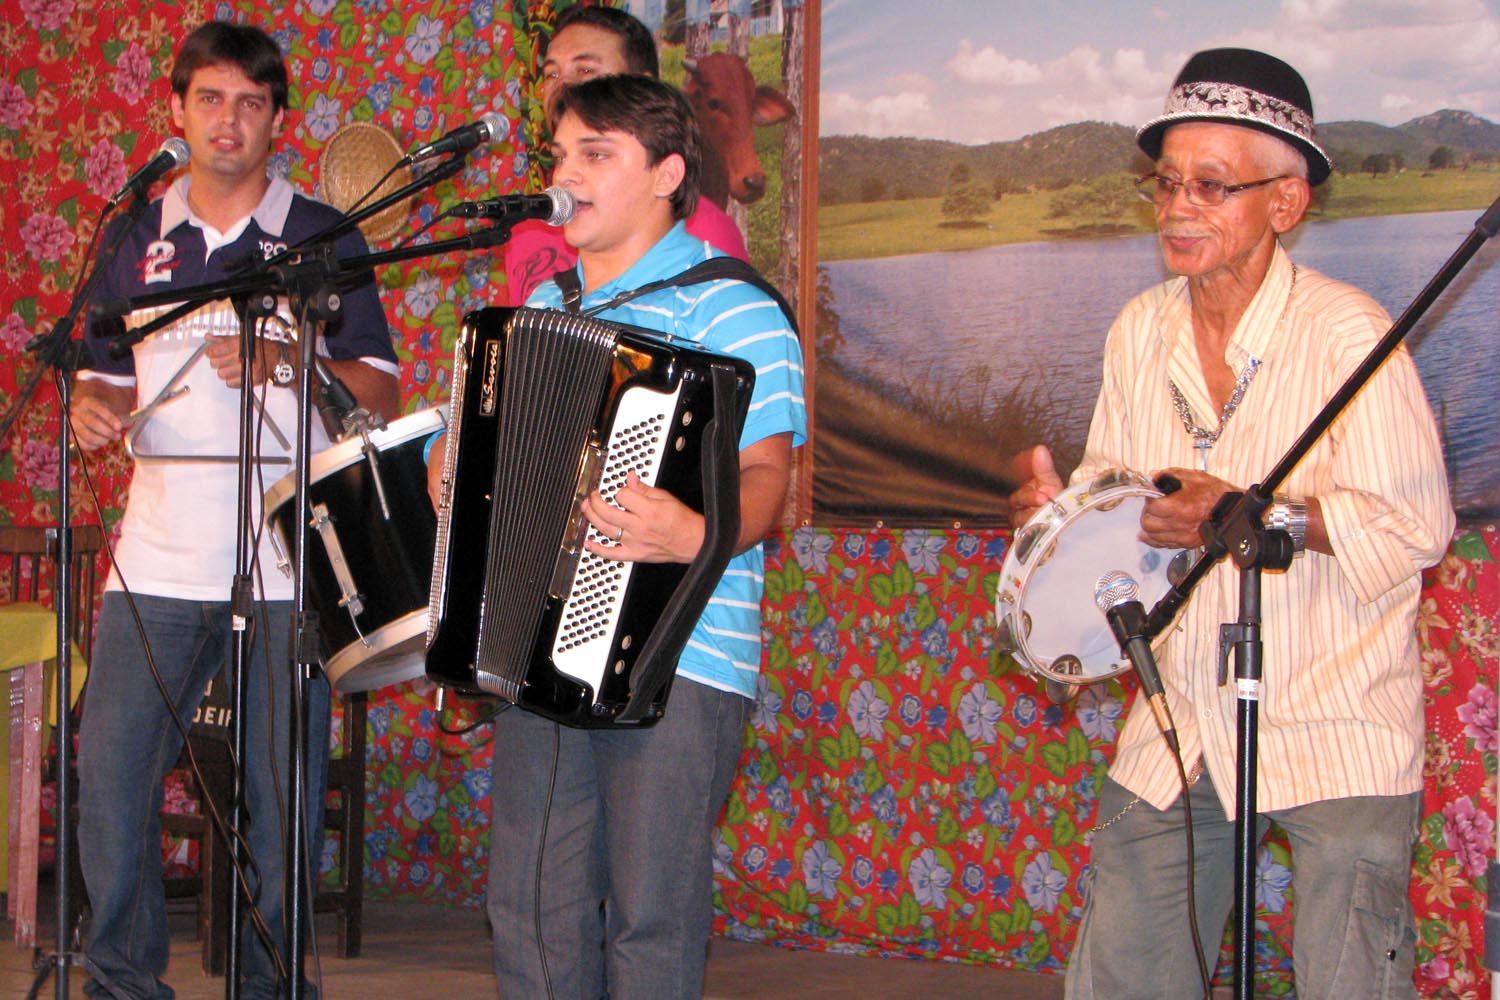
655 114
635 37
220 43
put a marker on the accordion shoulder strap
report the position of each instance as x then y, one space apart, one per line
572 288
713 269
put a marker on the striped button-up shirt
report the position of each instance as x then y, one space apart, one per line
1341 702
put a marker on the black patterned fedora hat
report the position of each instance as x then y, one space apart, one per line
1242 87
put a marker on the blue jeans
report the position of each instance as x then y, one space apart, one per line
128 743
1353 934
626 878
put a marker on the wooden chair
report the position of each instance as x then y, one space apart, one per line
27 562
25 573
210 888
344 817
27 556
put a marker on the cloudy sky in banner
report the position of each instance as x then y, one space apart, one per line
978 71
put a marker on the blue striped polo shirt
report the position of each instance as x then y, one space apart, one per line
733 318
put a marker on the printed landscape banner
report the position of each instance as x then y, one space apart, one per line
977 229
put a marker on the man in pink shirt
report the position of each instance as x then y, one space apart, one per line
591 42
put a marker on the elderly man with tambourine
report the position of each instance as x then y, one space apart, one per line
1208 378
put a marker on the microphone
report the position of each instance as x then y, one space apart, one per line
173 154
490 127
1117 595
555 205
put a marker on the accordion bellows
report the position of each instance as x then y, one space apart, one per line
547 407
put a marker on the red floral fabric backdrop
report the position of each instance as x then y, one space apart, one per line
1459 624
906 791
83 102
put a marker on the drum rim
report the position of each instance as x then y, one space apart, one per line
412 625
345 453
1136 485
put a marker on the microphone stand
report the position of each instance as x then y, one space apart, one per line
242 623
350 272
314 305
312 280
1234 529
58 351
328 235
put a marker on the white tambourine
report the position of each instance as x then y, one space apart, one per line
1045 604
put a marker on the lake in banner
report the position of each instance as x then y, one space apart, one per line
1040 311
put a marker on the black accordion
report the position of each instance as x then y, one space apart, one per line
547 407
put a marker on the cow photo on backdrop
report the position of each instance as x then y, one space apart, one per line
740 65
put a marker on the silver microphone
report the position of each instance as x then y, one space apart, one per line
555 206
173 154
490 127
1115 587
1117 595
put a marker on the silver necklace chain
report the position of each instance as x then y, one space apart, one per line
1203 438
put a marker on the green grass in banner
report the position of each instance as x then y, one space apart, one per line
889 228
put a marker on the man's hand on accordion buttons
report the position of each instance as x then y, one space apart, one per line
644 524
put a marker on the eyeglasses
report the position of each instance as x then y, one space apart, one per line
1201 191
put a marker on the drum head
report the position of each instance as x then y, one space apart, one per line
1046 606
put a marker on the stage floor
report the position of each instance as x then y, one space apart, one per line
416 952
